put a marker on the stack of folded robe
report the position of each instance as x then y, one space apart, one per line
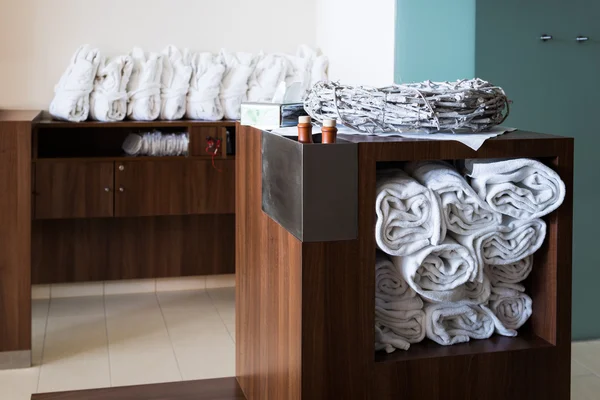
175 82
234 85
467 259
71 100
203 100
108 101
143 89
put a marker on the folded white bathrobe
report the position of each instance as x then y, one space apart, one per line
270 71
108 101
452 323
175 82
203 100
512 309
435 271
238 68
398 329
408 214
505 244
143 88
316 63
71 100
520 188
463 210
510 274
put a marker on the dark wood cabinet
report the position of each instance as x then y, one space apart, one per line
68 189
212 188
174 187
151 188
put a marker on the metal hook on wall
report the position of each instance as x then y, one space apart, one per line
545 38
581 39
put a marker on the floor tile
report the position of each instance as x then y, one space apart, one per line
76 306
220 281
39 292
585 388
588 354
139 345
182 283
60 290
129 287
181 308
19 384
578 369
205 358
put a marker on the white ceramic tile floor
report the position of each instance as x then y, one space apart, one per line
127 339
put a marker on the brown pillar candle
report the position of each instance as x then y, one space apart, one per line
329 131
304 130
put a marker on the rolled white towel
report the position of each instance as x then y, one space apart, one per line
175 82
389 283
408 214
108 101
510 275
512 309
505 244
143 88
520 188
270 71
434 272
476 292
203 100
398 329
452 323
71 100
239 67
463 210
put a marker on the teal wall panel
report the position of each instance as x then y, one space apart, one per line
435 40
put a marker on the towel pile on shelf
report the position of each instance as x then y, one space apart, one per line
177 83
461 239
156 144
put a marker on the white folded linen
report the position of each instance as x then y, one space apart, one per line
408 214
513 273
239 67
463 210
389 283
108 101
398 329
316 64
452 323
71 100
175 82
270 71
476 292
521 188
505 244
143 88
203 100
434 271
512 309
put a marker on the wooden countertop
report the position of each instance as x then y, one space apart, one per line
19 115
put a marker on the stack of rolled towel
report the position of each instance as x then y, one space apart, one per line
177 83
463 247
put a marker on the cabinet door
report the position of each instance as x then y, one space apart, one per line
146 188
72 189
212 190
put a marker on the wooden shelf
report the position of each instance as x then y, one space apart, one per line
430 349
129 158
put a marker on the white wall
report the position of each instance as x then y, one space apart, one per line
38 37
358 37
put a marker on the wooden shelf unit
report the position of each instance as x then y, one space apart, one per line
305 310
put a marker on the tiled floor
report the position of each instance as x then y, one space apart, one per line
116 340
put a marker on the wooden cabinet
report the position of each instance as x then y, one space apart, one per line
212 190
73 189
145 188
174 187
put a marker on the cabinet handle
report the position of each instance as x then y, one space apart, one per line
121 168
582 39
107 189
545 37
121 189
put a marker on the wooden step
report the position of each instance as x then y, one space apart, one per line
208 389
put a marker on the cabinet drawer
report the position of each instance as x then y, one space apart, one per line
73 189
